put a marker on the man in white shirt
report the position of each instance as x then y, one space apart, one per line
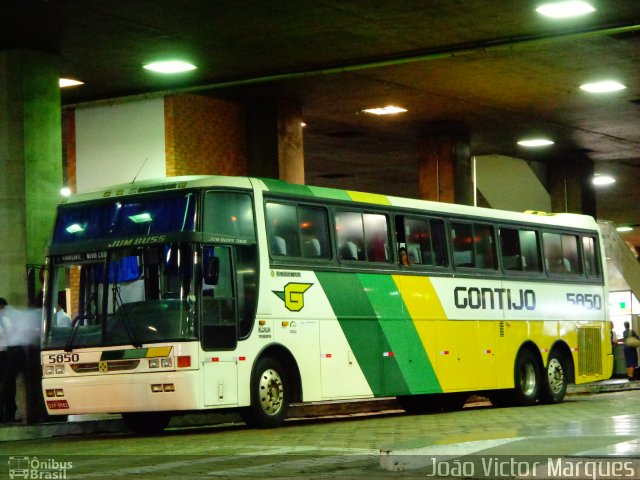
12 362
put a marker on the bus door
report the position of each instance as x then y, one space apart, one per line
219 326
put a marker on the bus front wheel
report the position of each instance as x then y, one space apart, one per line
146 423
555 379
269 395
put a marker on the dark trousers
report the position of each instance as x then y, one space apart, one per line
13 361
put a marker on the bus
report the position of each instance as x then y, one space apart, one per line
208 292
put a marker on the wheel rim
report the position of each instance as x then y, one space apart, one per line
271 391
555 375
528 379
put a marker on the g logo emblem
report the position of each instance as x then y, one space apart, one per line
293 295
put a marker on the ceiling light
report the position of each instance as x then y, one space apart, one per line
388 110
143 217
69 82
602 87
535 142
65 191
565 9
624 229
171 66
74 228
603 180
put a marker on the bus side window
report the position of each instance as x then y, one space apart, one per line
314 232
590 257
561 254
282 230
519 249
350 236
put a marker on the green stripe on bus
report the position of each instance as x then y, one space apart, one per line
385 344
330 193
409 356
358 322
279 186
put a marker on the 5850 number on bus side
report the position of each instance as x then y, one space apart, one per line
589 301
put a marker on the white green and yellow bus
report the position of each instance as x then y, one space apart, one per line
197 293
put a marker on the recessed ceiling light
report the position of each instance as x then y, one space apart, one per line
624 229
170 66
536 142
69 82
565 9
388 110
603 180
602 87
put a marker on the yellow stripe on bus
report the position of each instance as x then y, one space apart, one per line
153 352
368 197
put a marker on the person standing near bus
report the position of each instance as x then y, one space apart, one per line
630 352
12 362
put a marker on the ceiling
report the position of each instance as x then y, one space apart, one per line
497 67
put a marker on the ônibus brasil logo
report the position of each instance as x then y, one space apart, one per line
293 295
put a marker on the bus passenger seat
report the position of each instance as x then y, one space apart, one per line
278 246
311 248
413 251
348 251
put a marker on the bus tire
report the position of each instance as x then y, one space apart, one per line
527 379
555 378
269 395
146 423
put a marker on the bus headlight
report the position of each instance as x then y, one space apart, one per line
154 363
59 369
166 362
48 370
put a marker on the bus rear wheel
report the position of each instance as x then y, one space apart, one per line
146 423
269 395
555 379
527 379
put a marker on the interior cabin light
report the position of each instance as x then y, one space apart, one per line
141 218
74 228
624 228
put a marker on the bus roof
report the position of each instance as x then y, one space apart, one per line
282 187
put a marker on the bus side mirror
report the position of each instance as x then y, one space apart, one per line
211 271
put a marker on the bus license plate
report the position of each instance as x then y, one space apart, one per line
57 404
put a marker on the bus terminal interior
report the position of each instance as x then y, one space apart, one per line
288 93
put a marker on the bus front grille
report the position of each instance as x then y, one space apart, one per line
589 351
111 366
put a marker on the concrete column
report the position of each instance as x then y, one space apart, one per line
30 181
30 164
275 149
571 186
444 165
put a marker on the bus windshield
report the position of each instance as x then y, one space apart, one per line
124 218
133 295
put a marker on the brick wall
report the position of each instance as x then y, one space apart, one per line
204 136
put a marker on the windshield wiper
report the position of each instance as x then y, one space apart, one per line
76 323
120 309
